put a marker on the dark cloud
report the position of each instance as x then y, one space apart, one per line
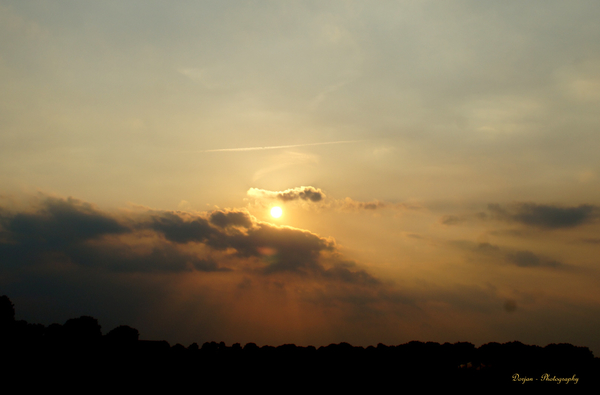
300 193
529 259
291 249
305 193
60 222
53 231
316 195
359 277
281 248
227 218
545 216
177 228
160 258
70 231
286 249
74 232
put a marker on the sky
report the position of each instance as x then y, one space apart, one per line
436 164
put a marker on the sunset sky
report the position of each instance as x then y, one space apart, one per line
436 162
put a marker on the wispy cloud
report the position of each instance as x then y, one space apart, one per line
279 146
322 95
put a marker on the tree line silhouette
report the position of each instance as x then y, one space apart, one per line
77 352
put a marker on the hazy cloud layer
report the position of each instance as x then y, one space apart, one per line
349 204
452 219
519 258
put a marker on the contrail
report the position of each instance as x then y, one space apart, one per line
279 146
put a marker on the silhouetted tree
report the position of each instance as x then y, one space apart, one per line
211 347
178 349
54 333
250 347
75 347
7 311
84 329
123 334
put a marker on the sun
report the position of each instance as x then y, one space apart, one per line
276 212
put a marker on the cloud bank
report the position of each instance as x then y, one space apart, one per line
73 231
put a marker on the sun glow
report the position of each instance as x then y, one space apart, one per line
276 212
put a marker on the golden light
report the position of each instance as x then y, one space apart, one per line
276 212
